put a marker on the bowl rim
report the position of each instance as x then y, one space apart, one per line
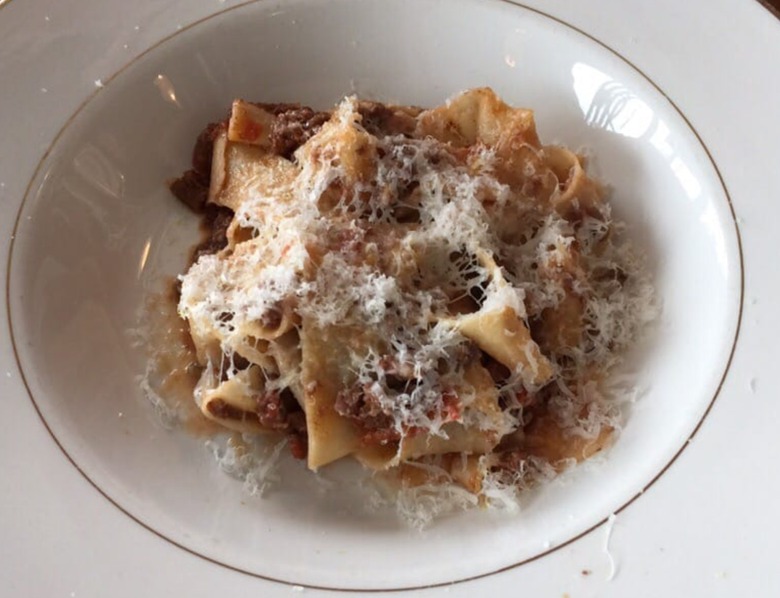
513 3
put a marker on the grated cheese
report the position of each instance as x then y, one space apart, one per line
397 252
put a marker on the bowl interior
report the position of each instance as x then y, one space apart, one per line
99 232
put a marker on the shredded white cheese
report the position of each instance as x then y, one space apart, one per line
428 234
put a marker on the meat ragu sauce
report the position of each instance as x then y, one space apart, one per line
293 127
192 189
177 373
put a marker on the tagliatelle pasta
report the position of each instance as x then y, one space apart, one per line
434 293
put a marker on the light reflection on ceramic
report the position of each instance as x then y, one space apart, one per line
99 232
607 104
167 91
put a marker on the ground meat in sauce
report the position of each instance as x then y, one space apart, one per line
216 220
224 410
282 413
363 408
204 149
380 120
360 405
190 190
275 411
192 187
293 127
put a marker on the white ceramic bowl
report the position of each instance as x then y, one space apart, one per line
98 231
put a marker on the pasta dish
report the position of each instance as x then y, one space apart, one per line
434 293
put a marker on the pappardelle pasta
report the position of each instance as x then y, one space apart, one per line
434 293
